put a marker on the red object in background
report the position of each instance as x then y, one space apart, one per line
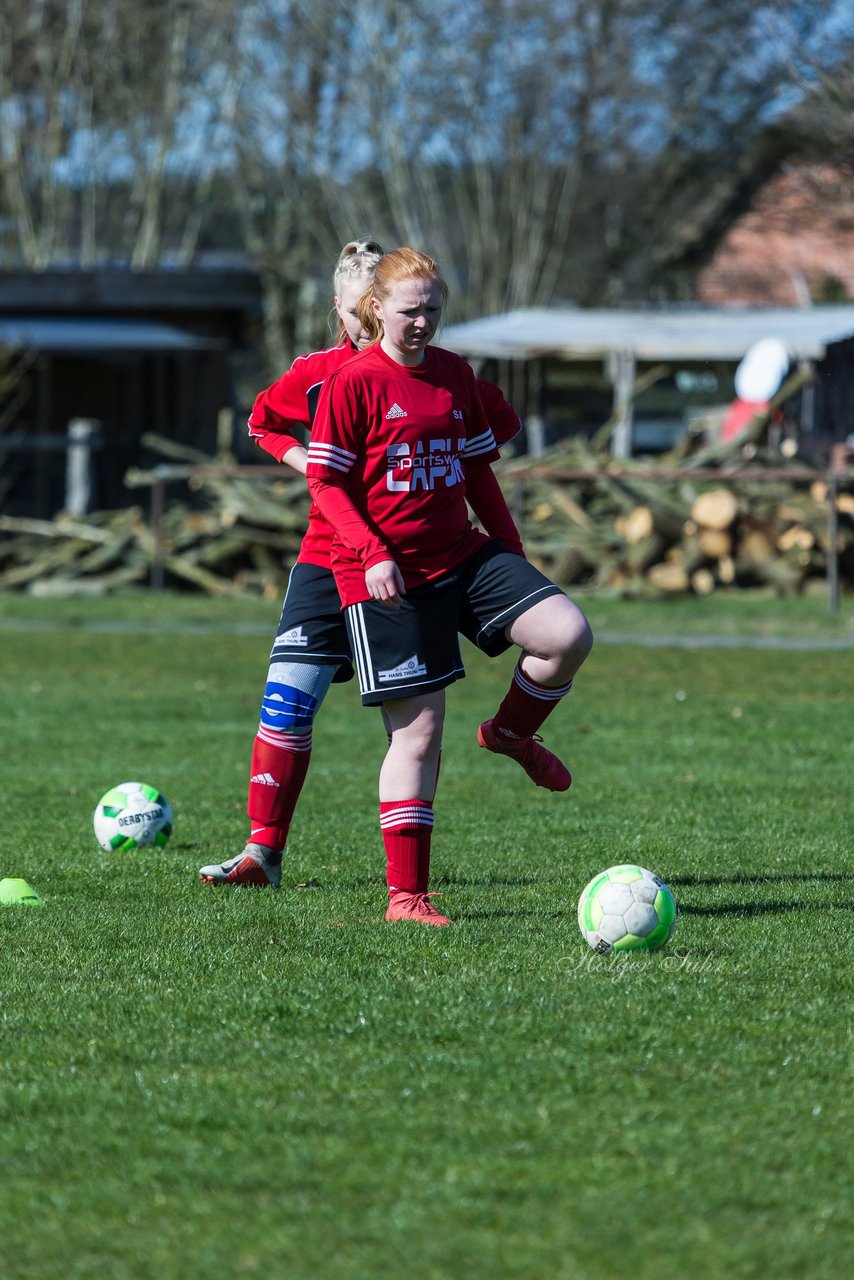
739 416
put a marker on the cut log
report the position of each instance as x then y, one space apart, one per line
689 555
796 538
703 582
668 577
714 543
571 509
716 509
638 525
726 571
60 587
756 546
571 566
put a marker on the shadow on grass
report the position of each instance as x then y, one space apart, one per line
492 882
506 913
782 877
458 882
761 908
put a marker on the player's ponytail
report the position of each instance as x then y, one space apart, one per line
357 260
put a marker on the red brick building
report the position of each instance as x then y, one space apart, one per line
793 247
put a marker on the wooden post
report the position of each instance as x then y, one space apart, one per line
832 549
225 434
535 426
840 454
158 506
621 370
78 468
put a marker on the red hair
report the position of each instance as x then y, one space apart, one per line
394 266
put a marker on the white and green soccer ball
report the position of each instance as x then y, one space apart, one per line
626 908
132 815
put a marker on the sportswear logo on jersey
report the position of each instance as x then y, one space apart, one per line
395 412
294 636
411 667
437 460
265 779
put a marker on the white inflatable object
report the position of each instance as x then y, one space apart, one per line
762 370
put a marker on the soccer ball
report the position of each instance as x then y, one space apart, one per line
626 908
132 816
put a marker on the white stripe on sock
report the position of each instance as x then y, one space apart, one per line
545 693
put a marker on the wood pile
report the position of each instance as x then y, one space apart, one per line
207 525
645 534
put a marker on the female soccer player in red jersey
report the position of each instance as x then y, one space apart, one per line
399 441
311 649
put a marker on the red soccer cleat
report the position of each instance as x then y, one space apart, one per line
414 906
542 766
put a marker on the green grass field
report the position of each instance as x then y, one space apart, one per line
200 1084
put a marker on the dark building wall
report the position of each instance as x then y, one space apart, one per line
176 393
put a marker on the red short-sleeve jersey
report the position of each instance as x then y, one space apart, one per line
399 441
291 401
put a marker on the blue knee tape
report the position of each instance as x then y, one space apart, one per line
285 708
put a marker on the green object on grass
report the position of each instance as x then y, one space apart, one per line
14 892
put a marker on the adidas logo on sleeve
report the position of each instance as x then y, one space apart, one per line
395 412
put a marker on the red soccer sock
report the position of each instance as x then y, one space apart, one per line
279 765
526 706
407 829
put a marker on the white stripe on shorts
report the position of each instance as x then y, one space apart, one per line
532 596
362 650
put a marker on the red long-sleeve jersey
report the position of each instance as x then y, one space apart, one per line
291 401
390 449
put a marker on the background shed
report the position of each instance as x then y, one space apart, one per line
568 370
128 352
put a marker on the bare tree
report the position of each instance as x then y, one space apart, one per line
543 149
572 149
105 108
287 126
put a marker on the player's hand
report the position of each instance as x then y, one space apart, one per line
385 583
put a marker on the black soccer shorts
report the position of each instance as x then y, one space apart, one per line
405 652
311 628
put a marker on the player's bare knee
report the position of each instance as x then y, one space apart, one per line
559 632
581 639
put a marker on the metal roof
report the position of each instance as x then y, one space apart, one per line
80 335
674 334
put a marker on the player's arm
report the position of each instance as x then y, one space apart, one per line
296 458
279 412
340 510
383 579
332 454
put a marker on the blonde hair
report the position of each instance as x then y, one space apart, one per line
394 266
357 259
